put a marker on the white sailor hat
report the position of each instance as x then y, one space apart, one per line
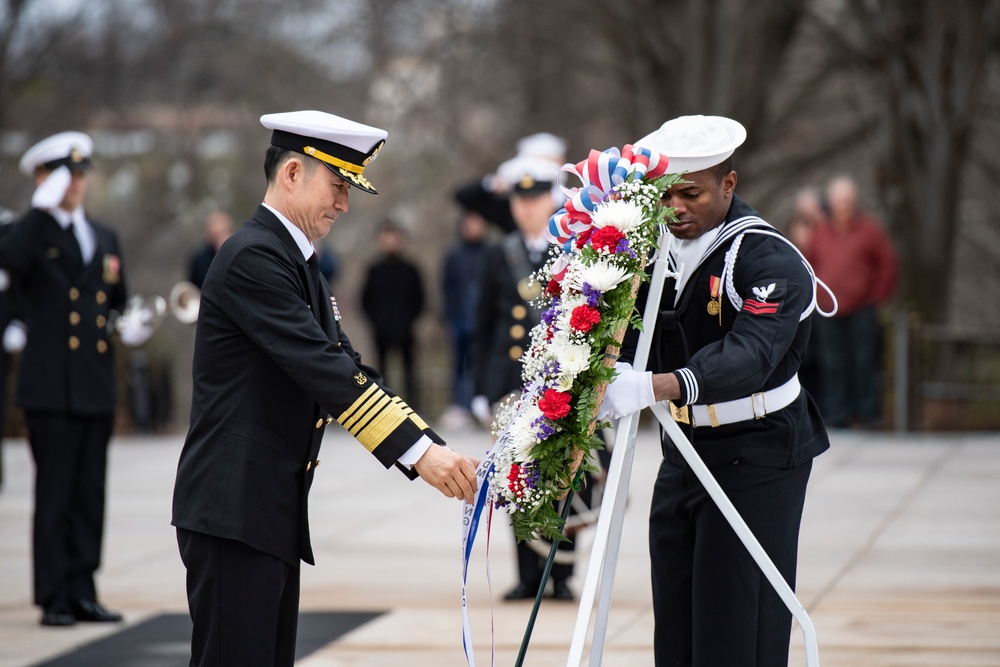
543 145
344 146
694 143
70 149
529 175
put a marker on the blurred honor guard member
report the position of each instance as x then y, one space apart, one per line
273 368
726 349
69 270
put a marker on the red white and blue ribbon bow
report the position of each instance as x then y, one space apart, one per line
599 174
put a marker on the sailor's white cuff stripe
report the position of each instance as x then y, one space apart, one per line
690 385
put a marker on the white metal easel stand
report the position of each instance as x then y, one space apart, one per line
607 540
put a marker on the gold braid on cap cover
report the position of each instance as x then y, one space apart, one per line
335 161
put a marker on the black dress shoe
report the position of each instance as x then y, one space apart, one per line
92 612
521 592
57 615
561 591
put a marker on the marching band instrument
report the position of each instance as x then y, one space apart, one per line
149 312
185 299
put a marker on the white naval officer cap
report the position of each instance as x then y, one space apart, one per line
543 145
529 175
694 143
346 147
69 149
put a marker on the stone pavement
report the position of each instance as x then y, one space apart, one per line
899 558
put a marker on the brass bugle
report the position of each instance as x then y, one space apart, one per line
185 299
149 310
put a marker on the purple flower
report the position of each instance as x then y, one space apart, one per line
543 429
549 315
593 295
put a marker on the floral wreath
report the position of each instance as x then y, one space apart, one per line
603 239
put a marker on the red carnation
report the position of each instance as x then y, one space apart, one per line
554 404
513 477
553 288
581 240
606 237
584 318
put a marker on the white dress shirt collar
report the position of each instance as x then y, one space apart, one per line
81 229
688 255
299 236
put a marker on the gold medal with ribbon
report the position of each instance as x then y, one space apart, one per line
715 303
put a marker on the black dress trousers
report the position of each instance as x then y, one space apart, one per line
704 579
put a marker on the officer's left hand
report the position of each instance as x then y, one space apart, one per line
449 472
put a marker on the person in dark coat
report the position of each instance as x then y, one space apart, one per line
272 369
726 347
460 296
69 270
218 228
393 298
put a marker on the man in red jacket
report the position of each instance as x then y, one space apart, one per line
853 255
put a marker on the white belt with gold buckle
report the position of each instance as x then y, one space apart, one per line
756 406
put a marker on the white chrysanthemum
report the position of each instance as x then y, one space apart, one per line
601 276
571 302
623 215
523 437
565 382
573 358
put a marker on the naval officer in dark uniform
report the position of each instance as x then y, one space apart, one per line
272 369
69 271
727 345
504 319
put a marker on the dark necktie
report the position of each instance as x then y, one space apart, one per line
73 243
315 287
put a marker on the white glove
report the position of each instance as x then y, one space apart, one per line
630 392
15 336
480 408
53 189
133 331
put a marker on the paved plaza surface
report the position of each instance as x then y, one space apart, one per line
899 558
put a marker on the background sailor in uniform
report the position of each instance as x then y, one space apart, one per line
504 321
727 345
69 270
272 368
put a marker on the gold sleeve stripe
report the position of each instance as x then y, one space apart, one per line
358 403
373 417
372 408
373 433
414 417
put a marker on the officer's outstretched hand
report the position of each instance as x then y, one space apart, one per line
449 472
630 392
